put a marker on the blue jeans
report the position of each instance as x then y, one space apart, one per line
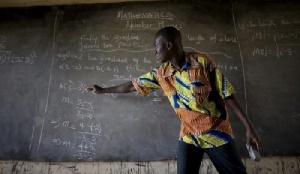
225 158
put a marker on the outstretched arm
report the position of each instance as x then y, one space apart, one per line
252 136
122 88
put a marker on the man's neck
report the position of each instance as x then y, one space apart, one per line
179 60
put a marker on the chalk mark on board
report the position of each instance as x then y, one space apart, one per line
31 137
241 56
3 51
288 44
133 51
89 133
50 78
139 51
209 52
35 114
296 115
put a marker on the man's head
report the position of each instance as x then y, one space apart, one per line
167 44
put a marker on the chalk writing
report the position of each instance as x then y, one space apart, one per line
89 38
125 45
69 55
93 43
128 37
2 42
132 25
121 15
286 42
89 42
287 34
65 66
86 130
87 138
83 114
212 53
261 35
14 58
117 77
65 143
289 21
264 23
157 96
227 67
201 39
267 23
265 51
285 52
213 38
82 127
66 124
135 68
292 35
113 59
71 85
79 103
102 68
11 57
134 21
98 65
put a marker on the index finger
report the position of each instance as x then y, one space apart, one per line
89 88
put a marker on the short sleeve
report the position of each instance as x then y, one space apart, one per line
146 83
221 84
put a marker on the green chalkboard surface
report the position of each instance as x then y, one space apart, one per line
49 55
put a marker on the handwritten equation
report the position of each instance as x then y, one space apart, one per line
72 85
83 124
71 61
8 56
273 37
86 129
14 58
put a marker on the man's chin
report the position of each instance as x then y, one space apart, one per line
160 61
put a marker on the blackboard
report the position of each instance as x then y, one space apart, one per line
49 55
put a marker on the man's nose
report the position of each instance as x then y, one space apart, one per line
155 52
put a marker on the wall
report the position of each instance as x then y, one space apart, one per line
271 165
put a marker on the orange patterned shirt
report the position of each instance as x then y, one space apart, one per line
197 94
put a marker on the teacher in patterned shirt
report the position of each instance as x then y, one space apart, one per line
199 94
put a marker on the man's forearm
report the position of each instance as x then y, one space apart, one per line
237 109
122 88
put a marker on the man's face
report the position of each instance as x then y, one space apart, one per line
160 49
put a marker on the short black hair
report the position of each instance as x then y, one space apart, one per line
170 33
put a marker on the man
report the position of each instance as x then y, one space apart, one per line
199 94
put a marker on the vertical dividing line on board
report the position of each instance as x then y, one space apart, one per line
50 78
241 56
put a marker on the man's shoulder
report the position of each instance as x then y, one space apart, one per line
162 69
201 58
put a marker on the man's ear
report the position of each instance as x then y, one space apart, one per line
169 45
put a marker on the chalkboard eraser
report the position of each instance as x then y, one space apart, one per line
253 153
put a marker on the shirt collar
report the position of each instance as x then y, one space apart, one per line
170 70
186 65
